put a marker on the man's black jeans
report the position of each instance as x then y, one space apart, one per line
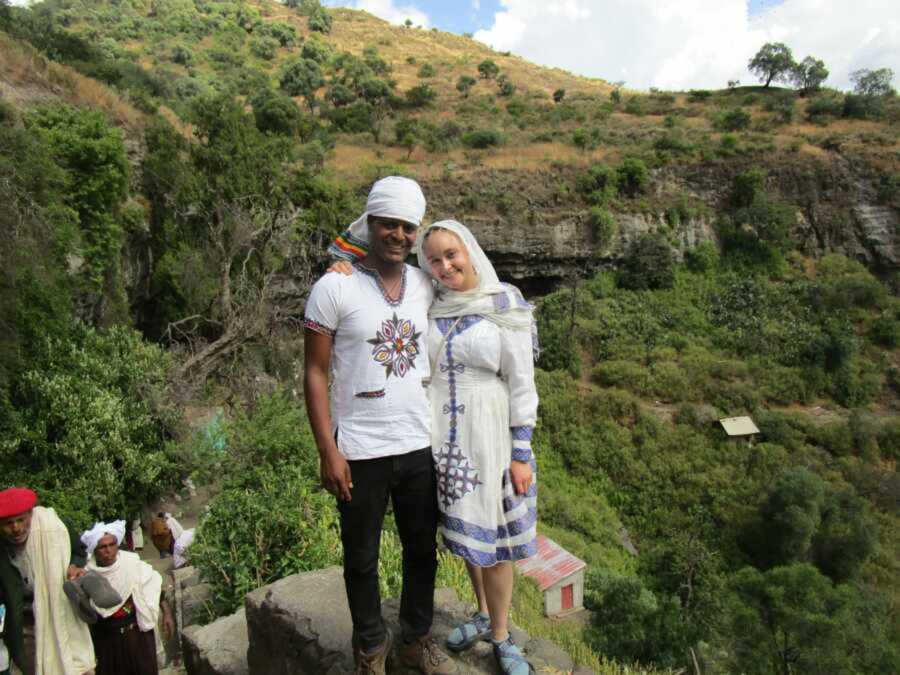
409 480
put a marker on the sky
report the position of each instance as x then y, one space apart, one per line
669 44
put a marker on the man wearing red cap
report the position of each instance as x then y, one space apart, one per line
37 554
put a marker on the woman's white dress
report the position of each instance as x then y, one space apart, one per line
484 408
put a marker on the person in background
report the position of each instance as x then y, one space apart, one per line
123 635
38 554
373 434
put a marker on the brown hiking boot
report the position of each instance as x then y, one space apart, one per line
373 663
424 655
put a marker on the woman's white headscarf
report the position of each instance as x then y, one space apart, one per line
391 197
92 537
497 302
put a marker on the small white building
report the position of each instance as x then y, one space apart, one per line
739 428
559 575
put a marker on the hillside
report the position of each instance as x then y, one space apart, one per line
490 155
173 170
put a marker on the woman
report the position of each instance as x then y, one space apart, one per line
484 407
124 637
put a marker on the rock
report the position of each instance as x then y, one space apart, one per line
217 649
186 576
544 654
300 625
194 602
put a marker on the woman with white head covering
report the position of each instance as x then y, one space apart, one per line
484 408
124 636
481 345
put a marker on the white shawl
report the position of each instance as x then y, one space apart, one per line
132 578
63 642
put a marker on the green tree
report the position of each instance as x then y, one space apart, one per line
559 95
93 155
340 95
301 77
809 75
846 536
378 98
408 134
420 95
276 113
649 263
320 20
464 84
773 62
790 517
788 620
873 82
488 70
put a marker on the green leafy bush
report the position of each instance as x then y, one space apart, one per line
92 431
482 138
649 263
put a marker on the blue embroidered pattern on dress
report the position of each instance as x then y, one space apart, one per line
522 433
467 321
483 534
502 553
456 477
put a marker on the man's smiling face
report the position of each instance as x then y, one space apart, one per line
390 239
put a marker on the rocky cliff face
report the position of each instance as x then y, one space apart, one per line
536 230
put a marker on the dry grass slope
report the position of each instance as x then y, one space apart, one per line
26 78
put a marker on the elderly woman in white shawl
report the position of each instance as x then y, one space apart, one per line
481 346
124 637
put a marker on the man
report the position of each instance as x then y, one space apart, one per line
374 439
37 554
124 633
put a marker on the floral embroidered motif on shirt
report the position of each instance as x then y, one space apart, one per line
396 346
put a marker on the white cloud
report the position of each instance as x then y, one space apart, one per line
683 44
387 10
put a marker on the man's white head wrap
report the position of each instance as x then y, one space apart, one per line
391 197
92 537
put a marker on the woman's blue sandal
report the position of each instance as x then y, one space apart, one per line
510 658
477 627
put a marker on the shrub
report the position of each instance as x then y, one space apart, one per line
599 185
420 95
559 95
317 50
698 95
482 138
464 84
427 70
702 258
320 21
603 227
92 432
264 47
825 106
886 332
732 120
275 113
488 70
649 263
633 176
505 87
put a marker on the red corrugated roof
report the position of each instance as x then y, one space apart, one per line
551 565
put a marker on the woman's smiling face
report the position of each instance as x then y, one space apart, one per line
448 260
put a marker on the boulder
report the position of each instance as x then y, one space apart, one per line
300 625
219 648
